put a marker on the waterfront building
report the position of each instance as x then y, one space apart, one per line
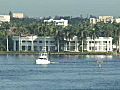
4 18
61 22
33 43
18 15
71 44
100 44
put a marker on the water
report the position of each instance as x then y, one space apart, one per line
19 72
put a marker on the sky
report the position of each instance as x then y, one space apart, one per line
41 8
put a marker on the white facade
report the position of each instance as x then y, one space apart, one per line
105 19
117 20
93 20
33 43
4 18
61 22
101 44
71 44
18 15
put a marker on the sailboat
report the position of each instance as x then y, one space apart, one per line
43 58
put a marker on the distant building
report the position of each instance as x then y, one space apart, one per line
117 20
93 21
100 44
105 19
4 18
61 22
18 15
33 43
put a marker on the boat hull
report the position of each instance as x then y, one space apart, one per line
42 62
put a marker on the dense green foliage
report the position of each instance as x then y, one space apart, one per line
77 26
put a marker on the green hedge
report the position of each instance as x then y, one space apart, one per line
63 53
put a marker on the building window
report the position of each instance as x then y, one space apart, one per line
29 41
52 41
104 41
35 41
29 48
35 48
52 48
40 41
40 48
23 48
23 41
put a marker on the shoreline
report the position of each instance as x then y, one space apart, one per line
60 53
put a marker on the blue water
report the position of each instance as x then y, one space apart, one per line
19 72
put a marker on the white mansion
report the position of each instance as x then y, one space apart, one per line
101 44
35 43
61 22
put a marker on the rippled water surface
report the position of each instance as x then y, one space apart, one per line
67 72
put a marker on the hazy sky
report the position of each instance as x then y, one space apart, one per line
39 8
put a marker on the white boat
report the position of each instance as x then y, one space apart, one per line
43 59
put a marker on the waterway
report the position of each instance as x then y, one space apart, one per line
67 72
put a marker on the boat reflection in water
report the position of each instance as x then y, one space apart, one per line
99 62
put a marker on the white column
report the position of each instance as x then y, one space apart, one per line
107 45
32 47
75 45
19 43
14 45
102 46
26 46
82 45
58 45
97 46
119 41
88 46
110 45
49 48
66 46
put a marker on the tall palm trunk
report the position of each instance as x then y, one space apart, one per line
7 44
